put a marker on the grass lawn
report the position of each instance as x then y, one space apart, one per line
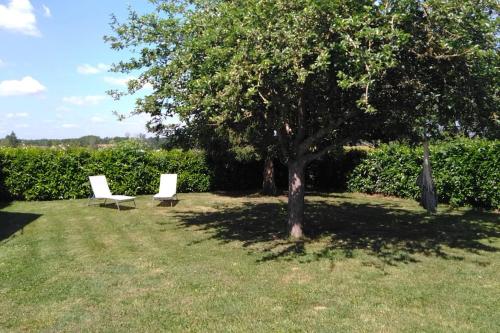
219 263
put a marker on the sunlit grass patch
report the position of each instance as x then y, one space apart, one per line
220 262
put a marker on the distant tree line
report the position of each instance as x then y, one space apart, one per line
171 141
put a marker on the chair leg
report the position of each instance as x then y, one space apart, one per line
117 205
105 202
88 202
135 206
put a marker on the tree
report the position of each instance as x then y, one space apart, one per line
301 74
11 140
90 141
242 141
446 81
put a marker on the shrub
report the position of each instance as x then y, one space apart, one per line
466 172
48 174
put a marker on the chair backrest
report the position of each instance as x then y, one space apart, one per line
168 184
100 186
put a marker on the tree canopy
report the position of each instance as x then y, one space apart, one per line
446 80
308 76
10 140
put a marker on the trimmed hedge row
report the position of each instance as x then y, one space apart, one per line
466 172
50 174
47 174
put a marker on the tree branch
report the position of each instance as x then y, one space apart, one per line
314 156
307 143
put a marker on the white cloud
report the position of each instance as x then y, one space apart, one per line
19 16
69 126
118 81
87 69
17 115
2 63
22 126
84 100
46 11
26 86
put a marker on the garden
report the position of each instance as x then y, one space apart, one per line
328 166
217 260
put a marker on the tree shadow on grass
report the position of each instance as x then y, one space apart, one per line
4 204
392 234
167 203
12 222
112 205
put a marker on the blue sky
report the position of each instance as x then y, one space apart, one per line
53 69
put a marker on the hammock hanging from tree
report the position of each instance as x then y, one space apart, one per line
428 195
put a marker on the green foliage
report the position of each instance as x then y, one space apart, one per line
447 78
265 71
333 170
305 77
466 172
10 140
48 174
171 140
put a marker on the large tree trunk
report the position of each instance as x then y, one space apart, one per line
268 182
296 191
428 198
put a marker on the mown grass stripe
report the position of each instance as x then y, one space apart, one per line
215 263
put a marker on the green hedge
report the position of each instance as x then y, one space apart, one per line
49 174
466 172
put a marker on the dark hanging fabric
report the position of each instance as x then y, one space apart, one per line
428 195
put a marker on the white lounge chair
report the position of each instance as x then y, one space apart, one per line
168 188
101 191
